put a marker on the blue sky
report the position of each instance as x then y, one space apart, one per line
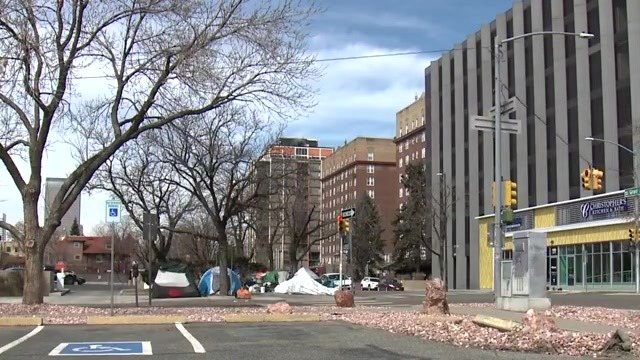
356 97
361 97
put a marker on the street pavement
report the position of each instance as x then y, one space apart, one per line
98 295
296 341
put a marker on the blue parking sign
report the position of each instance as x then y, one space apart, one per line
102 348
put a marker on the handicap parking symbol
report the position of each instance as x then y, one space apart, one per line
113 212
102 348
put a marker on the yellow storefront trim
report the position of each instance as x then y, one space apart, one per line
585 235
544 217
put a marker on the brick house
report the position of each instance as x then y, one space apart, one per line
91 255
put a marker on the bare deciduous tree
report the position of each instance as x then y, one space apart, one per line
163 59
143 183
215 155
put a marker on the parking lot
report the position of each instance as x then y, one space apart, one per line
299 341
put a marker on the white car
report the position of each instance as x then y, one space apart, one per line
370 283
335 278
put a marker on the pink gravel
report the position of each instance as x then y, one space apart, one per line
454 329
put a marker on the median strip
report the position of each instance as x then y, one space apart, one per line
253 318
136 320
20 321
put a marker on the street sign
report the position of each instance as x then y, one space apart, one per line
631 192
102 348
113 214
508 106
348 213
486 123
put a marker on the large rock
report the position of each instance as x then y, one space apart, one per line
534 321
279 308
344 298
435 299
619 341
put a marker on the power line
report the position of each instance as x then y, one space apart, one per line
322 60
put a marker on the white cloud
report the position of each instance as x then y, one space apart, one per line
361 97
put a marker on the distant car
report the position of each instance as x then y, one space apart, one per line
70 278
370 283
332 280
390 285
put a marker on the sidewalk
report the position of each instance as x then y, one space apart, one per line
563 324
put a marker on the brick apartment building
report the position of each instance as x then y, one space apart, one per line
410 139
292 167
363 165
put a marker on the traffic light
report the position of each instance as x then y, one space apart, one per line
510 194
632 236
597 179
586 179
346 226
340 224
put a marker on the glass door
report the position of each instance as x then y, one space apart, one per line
571 270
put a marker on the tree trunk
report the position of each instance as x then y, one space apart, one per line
293 262
33 246
223 263
270 256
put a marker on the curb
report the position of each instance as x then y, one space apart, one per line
136 320
254 318
20 321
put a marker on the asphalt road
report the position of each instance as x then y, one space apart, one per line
295 341
98 295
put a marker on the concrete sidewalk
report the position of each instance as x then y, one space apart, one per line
563 324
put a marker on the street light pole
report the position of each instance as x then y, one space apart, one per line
636 210
497 239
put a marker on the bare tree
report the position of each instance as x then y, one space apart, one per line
214 155
142 183
164 60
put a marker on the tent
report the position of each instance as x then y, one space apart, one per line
210 281
174 280
303 283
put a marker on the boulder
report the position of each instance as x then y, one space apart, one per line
243 294
344 298
279 308
534 321
619 341
435 299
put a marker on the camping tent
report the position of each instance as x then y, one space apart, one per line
174 280
303 283
210 281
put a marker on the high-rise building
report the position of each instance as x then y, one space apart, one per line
410 139
289 177
364 165
565 89
51 188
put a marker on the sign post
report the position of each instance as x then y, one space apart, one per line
113 216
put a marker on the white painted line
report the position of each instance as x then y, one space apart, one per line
19 341
58 349
197 346
146 348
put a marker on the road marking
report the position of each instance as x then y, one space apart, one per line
19 341
197 346
103 348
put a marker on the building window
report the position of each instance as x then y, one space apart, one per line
371 193
400 148
370 181
370 169
401 193
76 244
401 162
424 137
424 152
98 258
370 156
107 246
77 257
302 151
355 194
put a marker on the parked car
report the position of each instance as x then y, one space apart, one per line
390 285
70 278
332 280
370 283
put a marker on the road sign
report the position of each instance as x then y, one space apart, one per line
102 348
486 123
348 213
113 213
630 192
508 106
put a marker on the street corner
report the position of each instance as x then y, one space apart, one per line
20 321
172 340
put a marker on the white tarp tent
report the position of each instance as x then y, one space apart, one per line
303 283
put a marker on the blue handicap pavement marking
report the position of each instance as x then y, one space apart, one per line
102 348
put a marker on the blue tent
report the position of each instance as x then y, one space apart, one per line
210 281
